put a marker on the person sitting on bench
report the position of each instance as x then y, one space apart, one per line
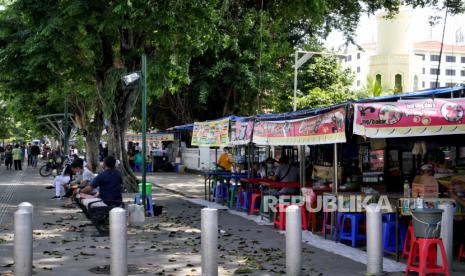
83 179
109 183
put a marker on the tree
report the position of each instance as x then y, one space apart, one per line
373 89
325 83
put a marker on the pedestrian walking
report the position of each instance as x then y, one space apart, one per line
8 158
29 154
17 157
35 151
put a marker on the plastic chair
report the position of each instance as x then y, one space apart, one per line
461 252
239 198
408 241
232 195
423 257
280 216
256 197
351 233
148 205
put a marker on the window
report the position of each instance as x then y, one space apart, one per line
463 59
358 55
450 72
358 82
434 58
349 57
434 84
358 69
415 83
422 84
450 84
434 71
422 56
378 79
423 71
450 59
462 73
398 83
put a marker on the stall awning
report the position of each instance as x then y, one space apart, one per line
186 127
211 133
406 118
325 128
151 137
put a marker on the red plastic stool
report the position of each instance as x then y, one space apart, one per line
423 257
461 252
253 209
280 216
409 240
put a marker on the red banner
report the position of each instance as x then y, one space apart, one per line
410 118
326 128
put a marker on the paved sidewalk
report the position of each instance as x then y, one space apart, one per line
167 245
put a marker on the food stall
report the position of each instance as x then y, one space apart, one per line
157 146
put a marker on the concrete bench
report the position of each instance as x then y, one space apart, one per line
98 213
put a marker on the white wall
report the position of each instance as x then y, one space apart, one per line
191 158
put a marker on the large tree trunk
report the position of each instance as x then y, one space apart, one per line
94 133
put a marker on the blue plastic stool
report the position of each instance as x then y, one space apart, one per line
148 205
246 202
352 234
389 217
239 196
389 236
220 192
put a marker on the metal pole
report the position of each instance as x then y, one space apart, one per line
335 188
295 79
23 242
293 241
144 127
374 240
65 129
26 206
209 241
118 241
447 232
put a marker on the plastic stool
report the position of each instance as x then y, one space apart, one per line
253 202
352 234
389 236
426 252
148 205
461 252
239 198
408 242
232 195
280 216
389 217
246 201
327 224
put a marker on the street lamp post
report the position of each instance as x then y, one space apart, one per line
143 83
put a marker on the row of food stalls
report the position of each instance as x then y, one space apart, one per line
376 143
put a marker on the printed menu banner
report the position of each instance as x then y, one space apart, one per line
241 131
410 118
150 137
211 133
325 128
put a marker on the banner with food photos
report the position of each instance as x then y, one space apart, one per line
410 118
327 128
211 133
150 137
241 131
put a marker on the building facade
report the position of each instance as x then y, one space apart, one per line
400 64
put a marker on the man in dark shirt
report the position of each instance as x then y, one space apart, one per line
109 183
35 151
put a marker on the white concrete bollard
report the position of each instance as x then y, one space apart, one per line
23 243
293 241
209 241
118 241
374 240
26 206
447 232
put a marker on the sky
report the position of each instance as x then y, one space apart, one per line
366 31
